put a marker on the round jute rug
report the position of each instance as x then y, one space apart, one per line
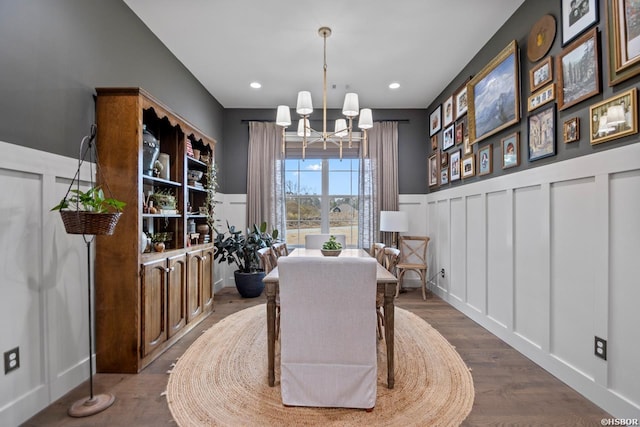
221 380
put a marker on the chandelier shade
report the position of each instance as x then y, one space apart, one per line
343 127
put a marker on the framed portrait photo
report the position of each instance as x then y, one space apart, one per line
467 148
583 55
623 46
485 160
542 133
541 97
444 160
541 74
434 142
444 176
447 111
510 146
577 16
460 102
435 120
571 130
454 166
448 138
493 107
459 133
433 169
614 118
468 166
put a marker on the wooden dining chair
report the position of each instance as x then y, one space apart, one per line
377 252
267 259
413 257
280 249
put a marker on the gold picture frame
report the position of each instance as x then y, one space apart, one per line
433 166
614 117
483 97
571 130
614 25
468 166
541 74
541 97
574 88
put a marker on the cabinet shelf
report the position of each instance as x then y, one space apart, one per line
146 301
157 180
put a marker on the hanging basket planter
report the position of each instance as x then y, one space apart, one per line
82 222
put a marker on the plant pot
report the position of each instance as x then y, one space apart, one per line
249 285
330 252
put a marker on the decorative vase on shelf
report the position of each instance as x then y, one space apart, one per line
165 161
203 229
150 151
158 246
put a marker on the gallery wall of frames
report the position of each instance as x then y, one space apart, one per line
565 88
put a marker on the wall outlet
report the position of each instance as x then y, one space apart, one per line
442 273
600 348
11 360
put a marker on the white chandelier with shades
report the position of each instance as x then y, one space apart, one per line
304 108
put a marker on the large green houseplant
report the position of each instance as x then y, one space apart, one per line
234 247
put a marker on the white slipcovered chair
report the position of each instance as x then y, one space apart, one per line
328 331
315 241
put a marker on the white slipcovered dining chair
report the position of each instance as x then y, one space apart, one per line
328 331
315 241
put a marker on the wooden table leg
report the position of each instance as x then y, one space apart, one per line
271 330
389 296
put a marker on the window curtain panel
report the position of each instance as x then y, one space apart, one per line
378 182
265 180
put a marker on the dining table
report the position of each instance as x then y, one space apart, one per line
386 284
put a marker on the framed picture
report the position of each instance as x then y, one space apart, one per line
577 16
571 130
459 133
541 97
444 160
485 160
468 149
444 176
541 74
510 150
460 102
433 169
493 95
619 18
448 138
468 166
447 111
614 117
454 166
435 123
434 142
542 133
574 87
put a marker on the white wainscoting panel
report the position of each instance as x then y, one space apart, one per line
623 334
531 265
549 259
44 283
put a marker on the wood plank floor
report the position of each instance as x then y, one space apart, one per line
510 389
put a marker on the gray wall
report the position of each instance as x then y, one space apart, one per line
53 53
517 27
412 145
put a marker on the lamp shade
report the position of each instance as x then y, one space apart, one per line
366 119
283 116
341 128
302 127
394 221
351 106
304 106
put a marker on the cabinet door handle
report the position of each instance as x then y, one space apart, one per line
204 258
169 270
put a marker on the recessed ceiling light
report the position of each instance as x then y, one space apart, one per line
394 85
255 85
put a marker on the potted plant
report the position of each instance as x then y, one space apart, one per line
331 247
242 250
89 212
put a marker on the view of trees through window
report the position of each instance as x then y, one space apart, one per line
321 197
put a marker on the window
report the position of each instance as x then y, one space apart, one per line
321 197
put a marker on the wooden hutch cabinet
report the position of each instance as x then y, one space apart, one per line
147 297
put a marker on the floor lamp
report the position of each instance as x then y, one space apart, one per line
394 222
